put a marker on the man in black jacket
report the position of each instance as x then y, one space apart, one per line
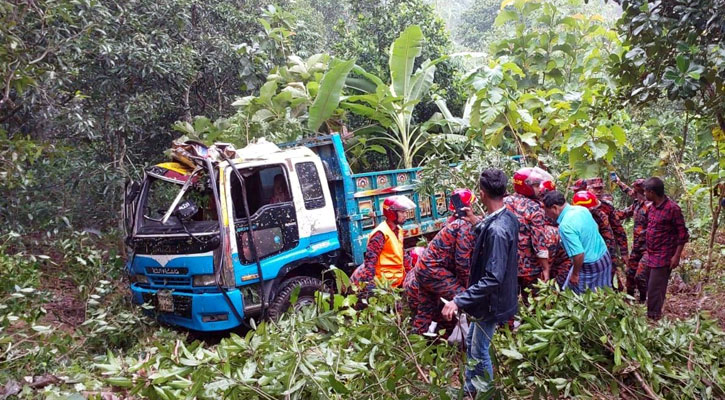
492 286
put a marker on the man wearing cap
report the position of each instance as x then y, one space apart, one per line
443 268
638 210
619 257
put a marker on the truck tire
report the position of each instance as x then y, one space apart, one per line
308 286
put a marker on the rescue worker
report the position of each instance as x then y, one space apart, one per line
619 257
410 283
590 201
384 257
559 260
638 210
533 249
443 268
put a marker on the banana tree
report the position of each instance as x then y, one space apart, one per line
391 105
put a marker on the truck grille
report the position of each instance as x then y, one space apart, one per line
169 280
182 304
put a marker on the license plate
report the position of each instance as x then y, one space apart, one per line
165 301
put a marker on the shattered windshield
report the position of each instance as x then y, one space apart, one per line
159 197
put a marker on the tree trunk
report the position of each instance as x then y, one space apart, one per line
714 227
187 107
684 137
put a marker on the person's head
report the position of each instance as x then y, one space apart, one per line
280 186
586 199
654 189
596 186
638 186
554 203
395 208
492 185
531 181
415 253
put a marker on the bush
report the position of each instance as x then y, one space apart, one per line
323 352
597 343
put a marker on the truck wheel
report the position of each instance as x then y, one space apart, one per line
308 286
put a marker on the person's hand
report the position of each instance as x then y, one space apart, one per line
450 310
472 218
574 278
675 261
545 276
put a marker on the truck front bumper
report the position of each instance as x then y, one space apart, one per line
198 311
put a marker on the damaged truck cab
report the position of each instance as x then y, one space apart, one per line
220 235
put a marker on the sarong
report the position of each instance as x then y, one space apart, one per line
592 275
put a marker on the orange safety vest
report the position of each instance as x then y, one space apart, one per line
390 262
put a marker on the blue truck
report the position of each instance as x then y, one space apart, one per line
220 234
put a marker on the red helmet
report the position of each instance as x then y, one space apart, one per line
393 204
547 186
415 254
467 198
638 185
585 198
527 178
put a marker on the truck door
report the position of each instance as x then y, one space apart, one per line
272 214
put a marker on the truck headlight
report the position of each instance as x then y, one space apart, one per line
204 280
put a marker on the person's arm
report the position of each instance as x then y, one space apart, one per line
626 189
465 241
372 253
434 275
682 235
620 235
577 262
626 213
537 228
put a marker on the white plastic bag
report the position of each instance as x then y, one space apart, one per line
460 331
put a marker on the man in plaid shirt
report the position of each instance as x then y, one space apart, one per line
665 238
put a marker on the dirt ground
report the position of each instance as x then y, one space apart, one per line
683 300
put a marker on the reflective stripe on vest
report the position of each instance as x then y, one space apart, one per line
390 261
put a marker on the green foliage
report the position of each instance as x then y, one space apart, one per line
99 85
35 295
674 49
585 346
373 26
473 24
392 105
438 174
548 89
301 91
333 351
